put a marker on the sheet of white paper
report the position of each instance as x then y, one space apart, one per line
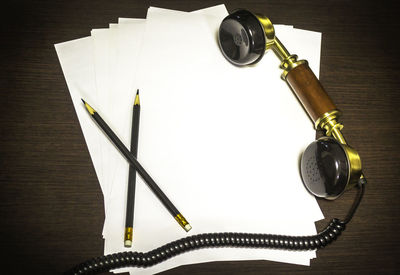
101 69
124 90
124 20
105 52
212 94
77 71
128 48
77 63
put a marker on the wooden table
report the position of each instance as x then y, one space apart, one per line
51 205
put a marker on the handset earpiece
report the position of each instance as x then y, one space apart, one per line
242 38
328 166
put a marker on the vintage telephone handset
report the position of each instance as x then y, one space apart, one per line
328 165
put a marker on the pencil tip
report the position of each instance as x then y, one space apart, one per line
137 101
88 107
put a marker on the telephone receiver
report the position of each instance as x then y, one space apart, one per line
329 166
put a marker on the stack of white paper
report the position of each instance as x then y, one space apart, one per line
222 142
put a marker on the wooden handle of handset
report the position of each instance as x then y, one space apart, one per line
309 91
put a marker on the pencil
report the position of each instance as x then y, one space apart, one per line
139 168
130 201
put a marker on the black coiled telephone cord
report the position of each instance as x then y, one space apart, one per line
246 240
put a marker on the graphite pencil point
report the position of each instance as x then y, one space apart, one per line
88 107
137 101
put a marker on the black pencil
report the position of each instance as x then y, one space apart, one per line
130 201
139 168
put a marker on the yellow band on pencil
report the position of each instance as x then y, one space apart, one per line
183 222
128 236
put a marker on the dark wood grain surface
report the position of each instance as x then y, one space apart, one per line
51 205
